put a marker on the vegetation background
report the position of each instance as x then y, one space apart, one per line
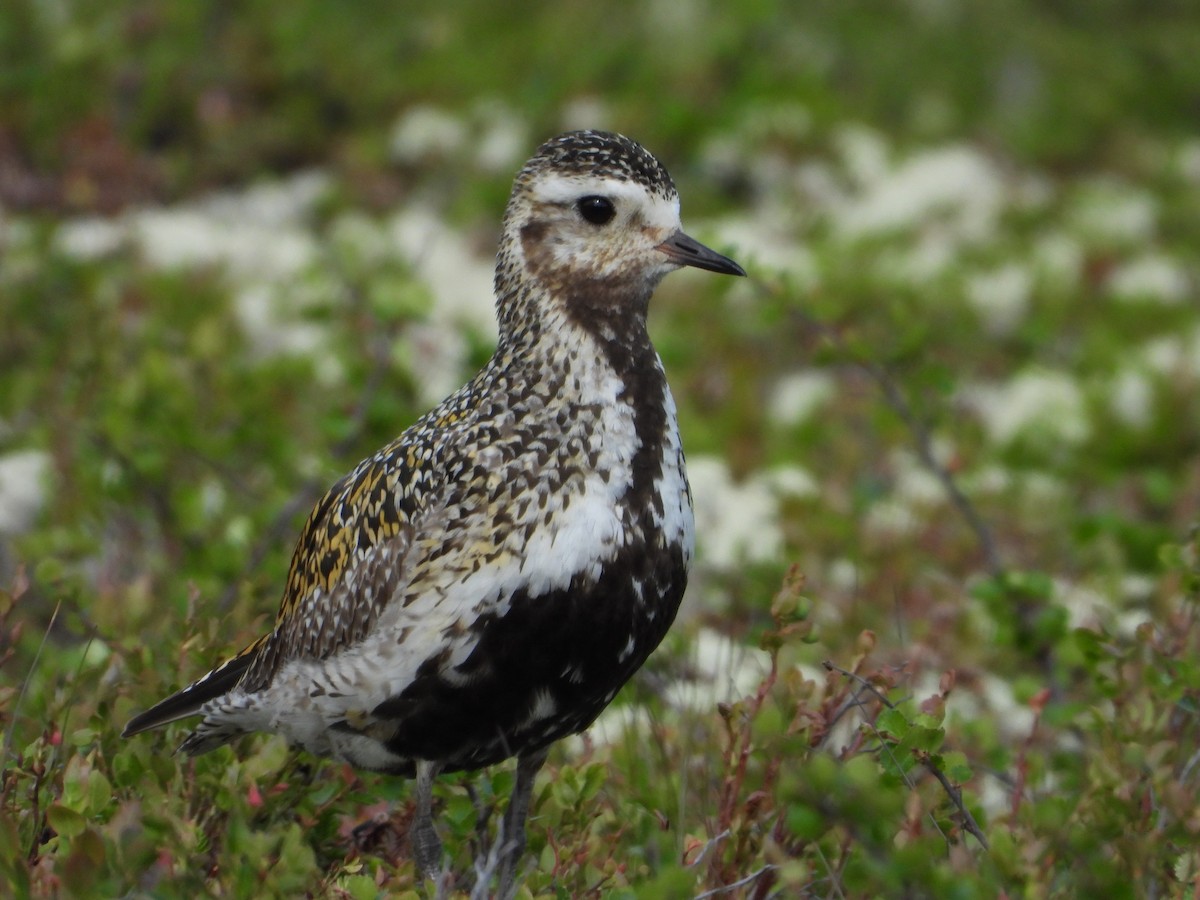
945 442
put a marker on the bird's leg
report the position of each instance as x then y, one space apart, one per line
512 826
427 848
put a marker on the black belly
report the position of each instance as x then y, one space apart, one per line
571 645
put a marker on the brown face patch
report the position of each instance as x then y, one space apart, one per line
538 255
609 307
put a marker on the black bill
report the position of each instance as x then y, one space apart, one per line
688 252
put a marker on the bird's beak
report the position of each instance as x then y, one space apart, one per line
685 251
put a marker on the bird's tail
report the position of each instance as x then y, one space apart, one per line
187 702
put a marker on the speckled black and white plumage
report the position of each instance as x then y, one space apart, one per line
486 583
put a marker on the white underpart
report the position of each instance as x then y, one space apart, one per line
678 523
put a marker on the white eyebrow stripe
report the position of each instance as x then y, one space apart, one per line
555 188
566 189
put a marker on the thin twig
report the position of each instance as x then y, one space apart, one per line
487 862
954 793
709 845
733 785
742 882
1186 772
887 748
849 704
922 437
10 732
832 667
834 877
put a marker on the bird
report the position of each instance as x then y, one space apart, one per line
483 585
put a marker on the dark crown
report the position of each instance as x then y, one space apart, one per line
603 154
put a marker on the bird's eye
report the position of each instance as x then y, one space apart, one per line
597 210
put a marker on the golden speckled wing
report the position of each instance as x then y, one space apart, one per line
347 563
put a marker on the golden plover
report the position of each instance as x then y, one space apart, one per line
486 583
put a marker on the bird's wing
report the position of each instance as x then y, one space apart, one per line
346 566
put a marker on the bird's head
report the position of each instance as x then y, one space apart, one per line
594 219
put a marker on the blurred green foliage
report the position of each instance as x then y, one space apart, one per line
182 457
207 93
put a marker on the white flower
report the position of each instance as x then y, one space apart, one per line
763 242
426 132
89 238
587 111
890 518
1085 605
723 670
1109 211
213 497
797 396
988 479
1129 621
277 203
1044 404
256 234
1138 587
864 152
843 575
1165 355
458 279
436 355
1175 356
1001 297
735 523
1152 277
612 726
1058 259
791 481
361 237
996 699
917 486
1131 398
1187 160
928 256
268 316
953 184
22 488
502 142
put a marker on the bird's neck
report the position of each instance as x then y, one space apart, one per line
538 319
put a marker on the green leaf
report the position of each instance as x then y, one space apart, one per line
99 791
65 821
359 887
594 777
806 823
921 737
892 722
955 767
